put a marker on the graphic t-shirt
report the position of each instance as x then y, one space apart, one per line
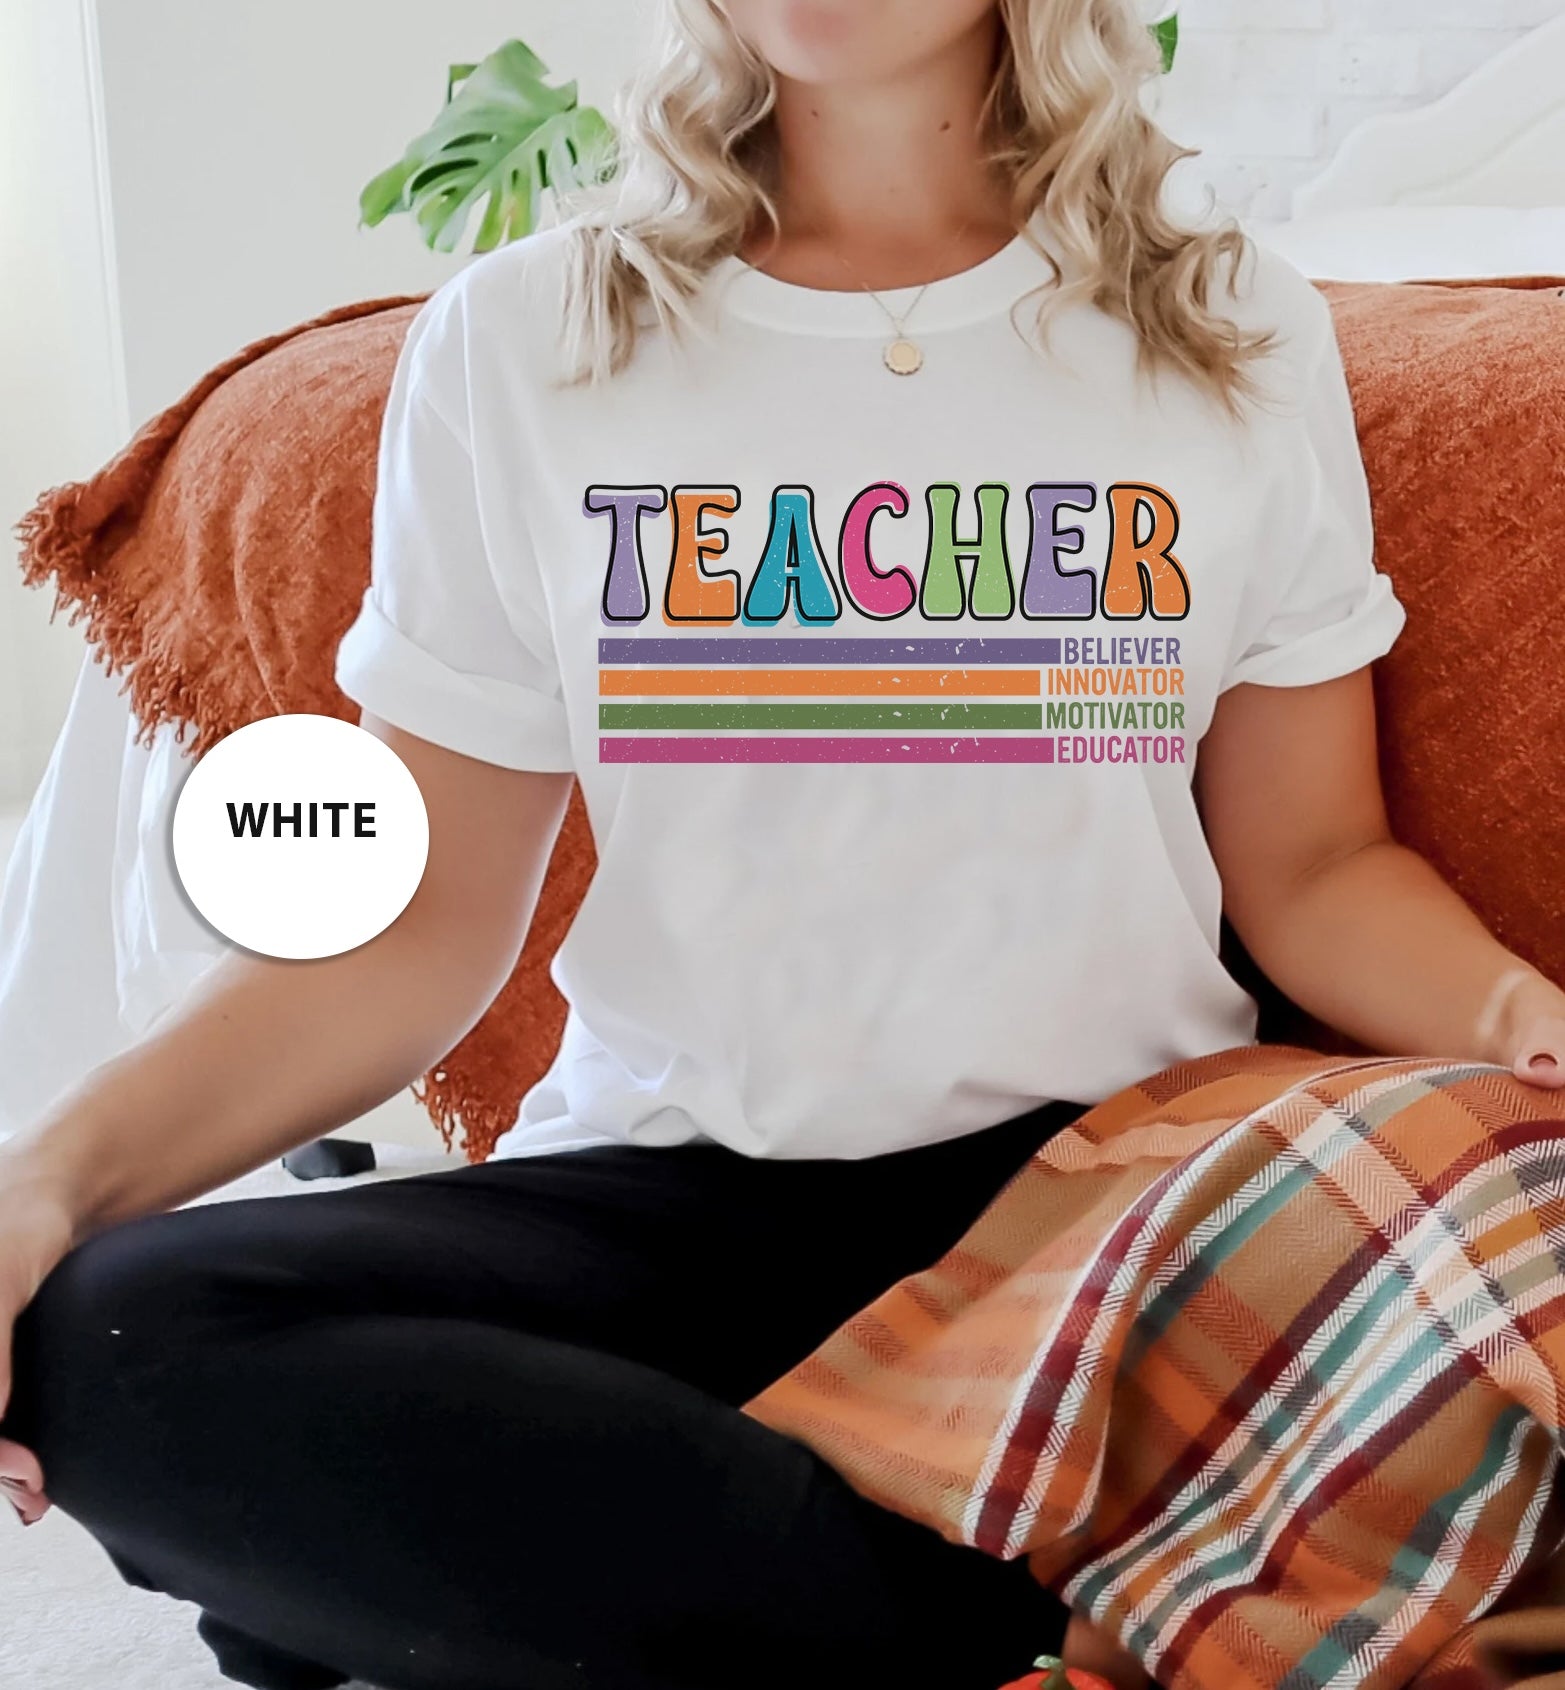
884 692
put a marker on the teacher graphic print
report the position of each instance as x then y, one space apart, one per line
914 695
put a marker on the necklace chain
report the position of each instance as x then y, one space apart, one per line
898 323
903 357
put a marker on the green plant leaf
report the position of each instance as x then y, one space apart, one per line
1166 33
503 137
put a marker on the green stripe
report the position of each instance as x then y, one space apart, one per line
1272 1441
1287 1182
768 717
1408 1569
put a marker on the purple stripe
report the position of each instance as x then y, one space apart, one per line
808 648
825 749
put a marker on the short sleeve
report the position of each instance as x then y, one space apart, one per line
1321 609
438 649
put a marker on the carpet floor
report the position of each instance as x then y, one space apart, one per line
67 1622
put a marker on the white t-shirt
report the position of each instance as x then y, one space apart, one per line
883 691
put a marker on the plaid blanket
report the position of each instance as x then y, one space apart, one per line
1261 1364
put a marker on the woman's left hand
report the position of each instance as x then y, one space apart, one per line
1540 1052
1530 1032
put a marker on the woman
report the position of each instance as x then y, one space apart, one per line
886 326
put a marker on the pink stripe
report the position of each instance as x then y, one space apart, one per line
866 749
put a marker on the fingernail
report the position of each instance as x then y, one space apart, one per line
1542 1060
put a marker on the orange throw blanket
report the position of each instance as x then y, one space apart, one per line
218 561
219 558
1262 1365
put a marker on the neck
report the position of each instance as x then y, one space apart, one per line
889 176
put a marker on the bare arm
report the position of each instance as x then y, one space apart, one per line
265 1055
1355 928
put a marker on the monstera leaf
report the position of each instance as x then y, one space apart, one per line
1166 33
504 136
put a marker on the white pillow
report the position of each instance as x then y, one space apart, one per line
1406 243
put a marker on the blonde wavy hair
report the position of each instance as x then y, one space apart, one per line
1067 131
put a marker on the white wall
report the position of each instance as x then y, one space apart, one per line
62 411
241 133
1268 88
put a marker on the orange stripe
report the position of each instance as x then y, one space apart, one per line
621 683
1519 1229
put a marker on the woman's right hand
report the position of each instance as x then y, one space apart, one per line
36 1231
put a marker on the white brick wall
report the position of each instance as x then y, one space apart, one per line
1268 88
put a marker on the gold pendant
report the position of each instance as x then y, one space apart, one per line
903 358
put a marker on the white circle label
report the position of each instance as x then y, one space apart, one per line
300 836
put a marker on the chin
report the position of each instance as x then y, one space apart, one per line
847 41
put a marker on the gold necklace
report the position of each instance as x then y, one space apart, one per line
901 355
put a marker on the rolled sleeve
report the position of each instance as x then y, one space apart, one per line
1322 609
1359 631
451 644
482 716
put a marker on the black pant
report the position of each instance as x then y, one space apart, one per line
479 1430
